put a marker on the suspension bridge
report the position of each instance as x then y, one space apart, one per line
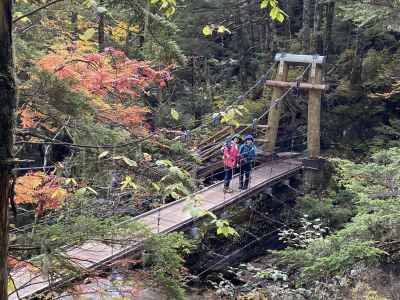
272 168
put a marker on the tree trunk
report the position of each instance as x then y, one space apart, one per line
147 44
8 102
262 31
74 26
241 46
287 30
128 37
317 37
330 14
356 70
307 11
101 31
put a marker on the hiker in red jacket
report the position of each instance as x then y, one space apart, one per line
231 156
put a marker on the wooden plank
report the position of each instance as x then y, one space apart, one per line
214 137
261 140
300 58
302 85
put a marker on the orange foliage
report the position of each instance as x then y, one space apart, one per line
29 118
110 76
32 119
129 116
41 189
15 264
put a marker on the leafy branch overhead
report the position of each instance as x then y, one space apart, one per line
276 14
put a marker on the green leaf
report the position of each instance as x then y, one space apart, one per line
156 186
164 162
207 30
280 17
174 195
101 9
212 215
70 181
194 211
18 14
89 3
273 13
264 4
170 11
91 190
223 29
85 190
129 162
128 182
235 123
103 154
88 34
174 114
177 172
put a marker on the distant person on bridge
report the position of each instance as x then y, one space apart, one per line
247 154
231 156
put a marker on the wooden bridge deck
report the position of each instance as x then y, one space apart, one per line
92 255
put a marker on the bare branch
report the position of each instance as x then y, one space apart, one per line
36 10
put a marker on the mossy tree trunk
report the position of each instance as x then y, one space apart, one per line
8 103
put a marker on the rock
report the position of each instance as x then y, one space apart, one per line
150 294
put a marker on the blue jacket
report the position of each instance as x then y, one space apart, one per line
247 153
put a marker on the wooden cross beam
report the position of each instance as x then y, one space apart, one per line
301 85
300 58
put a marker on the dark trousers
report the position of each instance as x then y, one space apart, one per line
244 178
228 176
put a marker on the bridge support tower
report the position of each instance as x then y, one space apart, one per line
314 86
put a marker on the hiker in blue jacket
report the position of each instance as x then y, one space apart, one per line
247 154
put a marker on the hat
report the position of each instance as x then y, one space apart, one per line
236 136
249 137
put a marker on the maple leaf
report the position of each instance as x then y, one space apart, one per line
45 191
110 76
27 117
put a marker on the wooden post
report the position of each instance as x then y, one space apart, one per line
314 114
313 176
274 114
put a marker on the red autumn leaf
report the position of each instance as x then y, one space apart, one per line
110 76
45 191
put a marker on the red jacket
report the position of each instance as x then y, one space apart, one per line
231 156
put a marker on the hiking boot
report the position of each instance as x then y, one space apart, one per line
228 191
